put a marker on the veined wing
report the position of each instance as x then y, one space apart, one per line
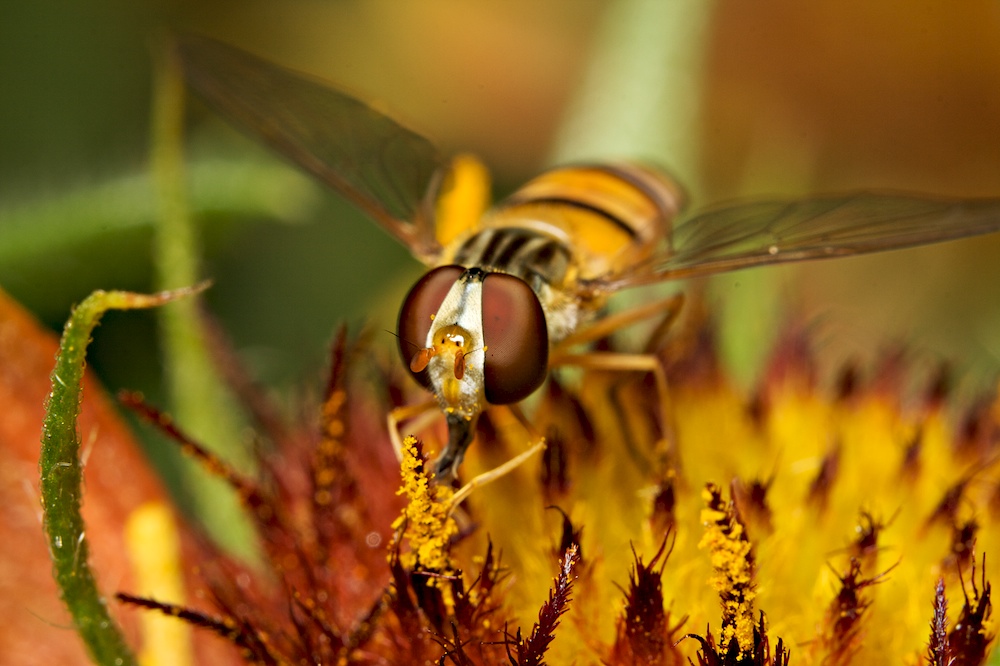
759 233
391 173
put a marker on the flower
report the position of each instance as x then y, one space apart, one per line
836 527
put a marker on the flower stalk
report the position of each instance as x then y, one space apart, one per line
61 472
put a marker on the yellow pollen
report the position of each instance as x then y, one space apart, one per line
425 520
730 554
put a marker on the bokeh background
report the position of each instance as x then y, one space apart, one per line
794 97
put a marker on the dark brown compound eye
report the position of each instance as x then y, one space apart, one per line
517 341
417 314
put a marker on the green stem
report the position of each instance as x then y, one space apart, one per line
199 399
62 473
641 95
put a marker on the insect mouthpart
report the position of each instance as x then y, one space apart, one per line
461 431
460 397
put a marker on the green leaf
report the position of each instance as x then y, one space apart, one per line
35 228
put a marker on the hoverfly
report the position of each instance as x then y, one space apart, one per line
478 329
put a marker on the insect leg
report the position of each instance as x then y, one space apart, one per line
667 455
424 410
507 467
667 309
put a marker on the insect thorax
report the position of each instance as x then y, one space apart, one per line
544 262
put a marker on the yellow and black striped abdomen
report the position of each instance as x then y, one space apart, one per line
609 217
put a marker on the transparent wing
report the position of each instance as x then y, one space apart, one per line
388 171
777 231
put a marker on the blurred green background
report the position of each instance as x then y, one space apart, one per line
794 97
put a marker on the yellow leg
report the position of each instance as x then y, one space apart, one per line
621 362
507 467
397 416
647 361
668 308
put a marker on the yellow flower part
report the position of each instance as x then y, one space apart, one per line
846 506
426 520
730 549
154 549
833 525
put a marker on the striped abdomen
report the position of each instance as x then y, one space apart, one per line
579 222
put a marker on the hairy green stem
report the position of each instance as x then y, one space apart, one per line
62 474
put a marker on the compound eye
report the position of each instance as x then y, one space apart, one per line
417 314
517 341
